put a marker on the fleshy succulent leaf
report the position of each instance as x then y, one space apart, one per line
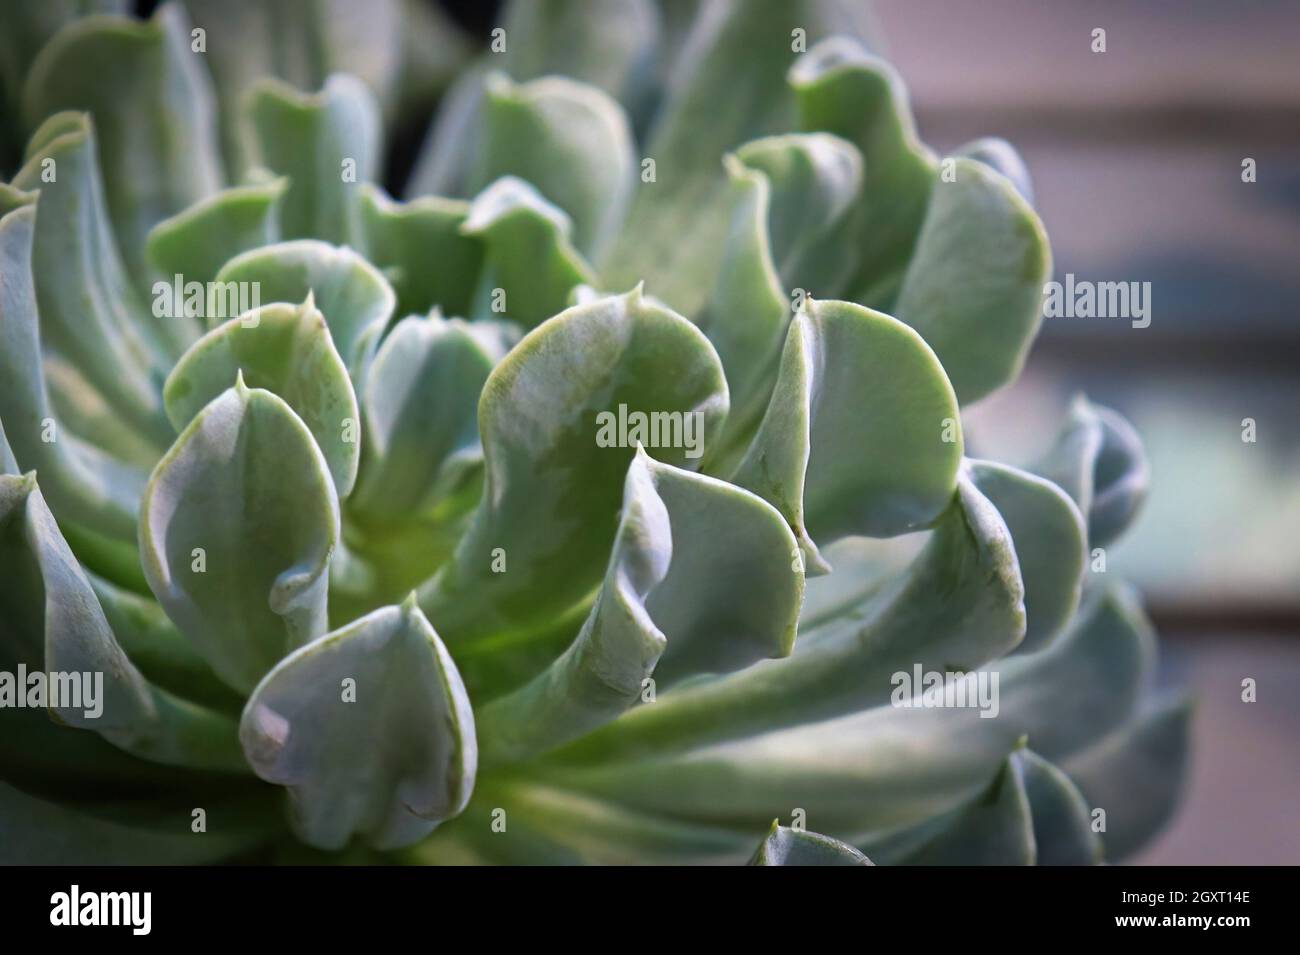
1000 156
731 88
1098 460
154 115
1136 774
90 312
1063 833
540 418
1050 540
748 313
326 143
660 610
285 349
33 828
798 847
198 241
570 141
421 249
54 623
421 402
530 265
85 485
352 294
816 183
302 44
236 531
852 662
607 45
861 434
885 767
842 89
370 729
995 828
974 287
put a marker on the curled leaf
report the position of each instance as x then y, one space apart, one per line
370 729
236 530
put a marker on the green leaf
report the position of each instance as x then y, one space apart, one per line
371 730
1062 823
85 486
1000 156
1099 461
730 88
1137 774
90 312
996 828
861 435
570 141
816 183
38 832
246 484
554 827
8 465
29 25
531 266
154 115
195 243
883 768
974 288
551 487
285 349
1049 538
158 649
747 316
421 249
447 155
327 143
301 44
854 662
421 404
352 294
686 544
841 89
801 848
55 624
608 45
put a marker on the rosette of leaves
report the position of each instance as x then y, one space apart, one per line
359 576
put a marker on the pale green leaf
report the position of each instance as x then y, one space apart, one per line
326 143
352 294
285 349
530 265
861 435
154 115
567 139
236 531
197 242
370 729
420 248
798 847
974 287
550 501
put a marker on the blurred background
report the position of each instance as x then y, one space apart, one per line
1136 156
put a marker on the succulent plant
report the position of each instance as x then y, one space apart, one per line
601 501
